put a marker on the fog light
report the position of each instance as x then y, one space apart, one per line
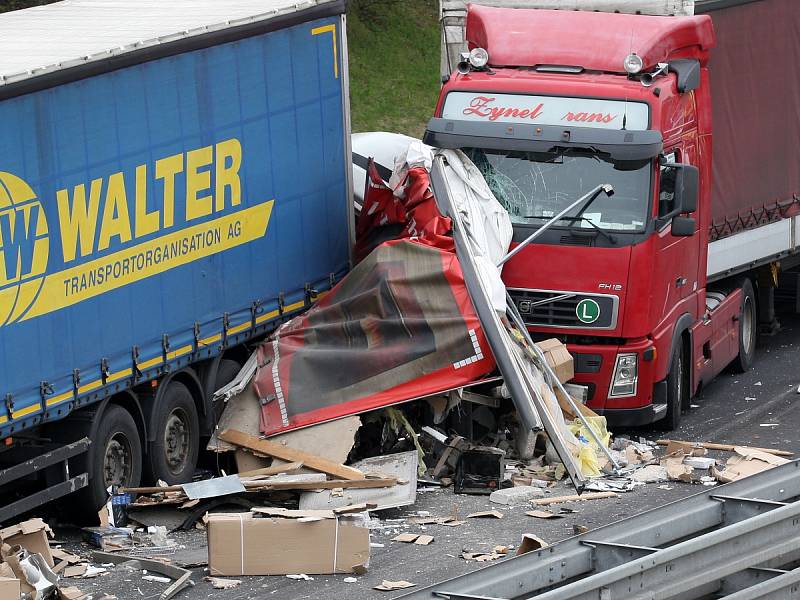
623 383
478 58
633 63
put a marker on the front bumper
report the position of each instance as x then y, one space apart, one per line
636 417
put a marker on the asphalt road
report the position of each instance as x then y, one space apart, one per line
756 408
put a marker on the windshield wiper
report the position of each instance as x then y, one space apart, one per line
582 204
610 237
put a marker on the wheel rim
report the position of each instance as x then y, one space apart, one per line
747 325
117 461
176 440
679 378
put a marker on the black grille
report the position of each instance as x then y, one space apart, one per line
587 363
561 313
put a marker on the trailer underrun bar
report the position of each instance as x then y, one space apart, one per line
735 541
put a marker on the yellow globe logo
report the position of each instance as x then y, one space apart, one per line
24 247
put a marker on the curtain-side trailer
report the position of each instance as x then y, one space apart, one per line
174 182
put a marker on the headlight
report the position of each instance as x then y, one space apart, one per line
626 371
478 58
633 63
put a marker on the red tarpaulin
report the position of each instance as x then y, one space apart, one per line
400 325
756 113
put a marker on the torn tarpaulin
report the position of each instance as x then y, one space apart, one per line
399 326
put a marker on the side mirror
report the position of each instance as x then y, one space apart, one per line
683 226
687 185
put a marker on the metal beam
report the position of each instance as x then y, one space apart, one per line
782 587
688 556
736 508
37 499
42 461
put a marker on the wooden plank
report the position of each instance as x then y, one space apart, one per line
259 486
276 470
573 498
567 409
310 461
727 447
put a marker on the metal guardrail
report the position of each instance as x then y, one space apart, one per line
727 542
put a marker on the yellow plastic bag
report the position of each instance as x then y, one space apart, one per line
590 454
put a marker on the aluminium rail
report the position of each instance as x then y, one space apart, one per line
736 541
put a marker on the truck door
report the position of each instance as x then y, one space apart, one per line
676 257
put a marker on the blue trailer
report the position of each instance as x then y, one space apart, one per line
174 183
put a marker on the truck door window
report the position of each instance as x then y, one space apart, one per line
666 188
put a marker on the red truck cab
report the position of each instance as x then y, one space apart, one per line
566 101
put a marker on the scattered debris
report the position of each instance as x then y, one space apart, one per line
482 556
531 543
676 469
219 583
480 470
484 514
650 474
699 462
405 537
181 577
390 586
516 495
746 462
300 576
543 514
579 529
311 461
212 488
726 447
402 466
573 498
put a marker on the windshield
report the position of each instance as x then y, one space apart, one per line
535 186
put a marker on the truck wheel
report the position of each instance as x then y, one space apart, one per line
748 329
173 454
116 456
677 390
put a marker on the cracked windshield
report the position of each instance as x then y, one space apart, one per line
535 186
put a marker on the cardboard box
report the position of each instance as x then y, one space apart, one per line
282 542
559 359
31 535
9 588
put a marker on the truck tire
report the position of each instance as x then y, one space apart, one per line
677 390
172 455
748 329
116 457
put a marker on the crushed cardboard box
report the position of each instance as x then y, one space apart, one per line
31 535
559 358
279 542
746 462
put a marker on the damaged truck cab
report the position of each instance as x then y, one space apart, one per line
551 104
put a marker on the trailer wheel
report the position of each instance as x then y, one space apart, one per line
116 456
748 329
677 390
173 453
